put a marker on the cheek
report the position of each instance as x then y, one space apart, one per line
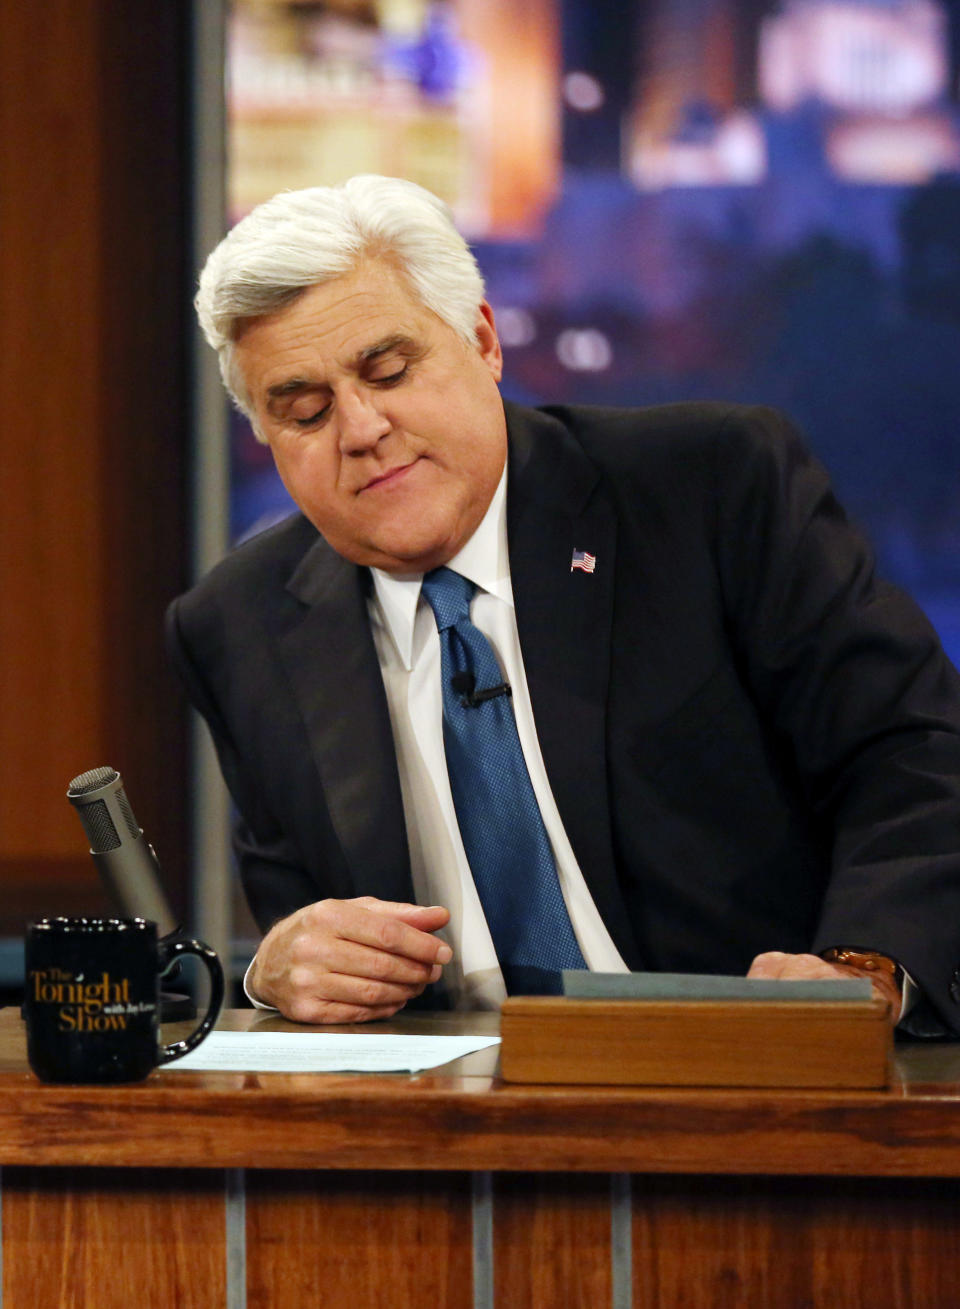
308 473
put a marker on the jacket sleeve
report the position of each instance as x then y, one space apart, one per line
272 871
850 673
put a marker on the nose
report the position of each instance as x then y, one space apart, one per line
361 423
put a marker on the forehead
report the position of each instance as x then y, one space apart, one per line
331 327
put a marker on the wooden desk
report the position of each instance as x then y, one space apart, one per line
452 1189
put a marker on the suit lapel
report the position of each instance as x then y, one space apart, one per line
554 506
331 662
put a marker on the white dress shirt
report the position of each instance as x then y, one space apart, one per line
408 647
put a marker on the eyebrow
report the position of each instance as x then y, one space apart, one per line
396 342
290 387
294 385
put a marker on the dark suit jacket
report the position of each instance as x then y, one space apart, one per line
753 743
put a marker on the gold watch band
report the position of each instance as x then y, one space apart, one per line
869 960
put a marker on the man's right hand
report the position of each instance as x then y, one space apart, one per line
349 961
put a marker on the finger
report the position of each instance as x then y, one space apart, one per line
353 959
426 917
767 965
384 932
303 989
304 993
794 967
309 1009
357 989
799 967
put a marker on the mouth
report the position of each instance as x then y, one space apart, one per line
391 477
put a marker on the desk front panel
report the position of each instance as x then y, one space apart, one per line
452 1189
192 1239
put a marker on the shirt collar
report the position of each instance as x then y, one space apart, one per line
484 559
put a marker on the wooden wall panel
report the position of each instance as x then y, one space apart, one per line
93 289
51 545
349 1240
113 1238
551 1241
846 1243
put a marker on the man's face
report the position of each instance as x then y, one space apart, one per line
387 430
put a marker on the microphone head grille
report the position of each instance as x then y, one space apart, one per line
123 804
99 827
92 780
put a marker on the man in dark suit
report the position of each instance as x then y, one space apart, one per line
745 749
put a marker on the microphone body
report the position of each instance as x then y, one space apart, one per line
125 860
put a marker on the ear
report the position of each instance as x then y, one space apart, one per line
488 343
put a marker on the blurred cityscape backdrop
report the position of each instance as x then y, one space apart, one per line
751 200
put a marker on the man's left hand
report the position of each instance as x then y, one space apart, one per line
799 967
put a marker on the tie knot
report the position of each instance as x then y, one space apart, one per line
448 595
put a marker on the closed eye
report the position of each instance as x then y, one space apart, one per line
313 419
391 379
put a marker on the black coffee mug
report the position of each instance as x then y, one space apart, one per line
91 1001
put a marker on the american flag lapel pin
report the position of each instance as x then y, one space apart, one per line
584 561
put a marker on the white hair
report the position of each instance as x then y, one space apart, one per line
300 239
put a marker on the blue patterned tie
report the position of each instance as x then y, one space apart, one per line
500 821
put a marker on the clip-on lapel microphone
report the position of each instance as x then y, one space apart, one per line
464 683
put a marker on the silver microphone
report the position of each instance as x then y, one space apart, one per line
126 862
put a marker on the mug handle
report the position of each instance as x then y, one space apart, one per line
168 951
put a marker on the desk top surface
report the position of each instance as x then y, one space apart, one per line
463 1116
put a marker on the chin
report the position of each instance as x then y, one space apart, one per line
414 552
415 563
411 557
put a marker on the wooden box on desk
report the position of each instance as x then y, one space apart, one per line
695 1042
